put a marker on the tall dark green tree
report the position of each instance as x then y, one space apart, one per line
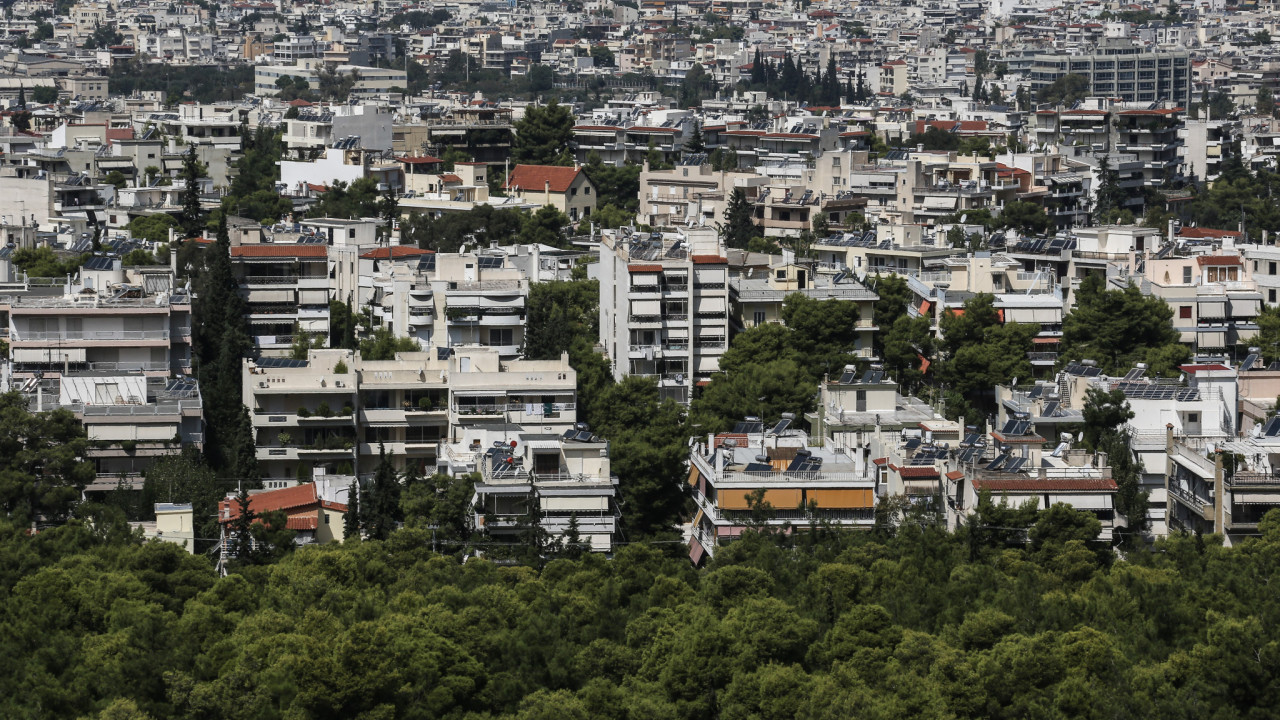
42 462
192 217
695 142
380 510
544 136
1121 327
739 226
220 339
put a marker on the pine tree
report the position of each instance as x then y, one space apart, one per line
695 143
738 227
351 520
758 75
192 217
381 511
22 96
240 529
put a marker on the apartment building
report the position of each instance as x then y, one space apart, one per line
287 289
132 417
1122 69
334 412
558 483
110 319
793 481
1214 298
758 298
664 307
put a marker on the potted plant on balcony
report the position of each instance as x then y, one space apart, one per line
426 404
303 412
323 410
285 438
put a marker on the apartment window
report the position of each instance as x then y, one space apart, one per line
1193 418
782 274
1186 275
501 337
1271 268
586 190
1184 312
860 401
757 317
1271 296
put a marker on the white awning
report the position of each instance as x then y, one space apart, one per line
646 279
933 202
1083 501
594 504
646 307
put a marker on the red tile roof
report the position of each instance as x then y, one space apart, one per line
955 475
1197 368
302 522
422 160
918 472
119 134
709 259
285 499
644 268
1219 260
300 103
396 251
280 251
538 177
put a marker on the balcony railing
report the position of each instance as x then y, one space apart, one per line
93 335
1051 357
270 279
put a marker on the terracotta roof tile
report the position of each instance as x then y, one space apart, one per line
538 177
1047 485
280 251
396 251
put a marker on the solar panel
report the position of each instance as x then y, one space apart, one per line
1036 391
970 440
1249 362
1009 426
995 464
926 459
1022 427
1272 428
1049 409
489 261
967 454
758 467
569 435
782 425
848 378
1135 374
276 362
913 443
1016 465
583 436
748 427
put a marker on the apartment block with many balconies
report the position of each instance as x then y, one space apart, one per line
335 412
664 307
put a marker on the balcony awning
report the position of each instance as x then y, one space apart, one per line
855 498
1067 179
486 489
779 498
933 202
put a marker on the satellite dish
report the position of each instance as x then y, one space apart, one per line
963 218
1014 383
1080 437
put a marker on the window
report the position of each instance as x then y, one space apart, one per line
351 233
1271 268
1184 312
860 401
501 337
782 274
1186 275
1193 417
586 190
757 317
1271 296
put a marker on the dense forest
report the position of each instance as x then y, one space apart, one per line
907 623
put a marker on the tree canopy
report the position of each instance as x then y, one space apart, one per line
543 136
1121 327
986 622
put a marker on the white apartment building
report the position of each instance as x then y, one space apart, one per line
333 412
664 307
109 319
552 480
800 482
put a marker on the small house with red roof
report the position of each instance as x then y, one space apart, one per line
567 189
313 518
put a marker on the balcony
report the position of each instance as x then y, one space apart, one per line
1042 358
270 279
1201 506
480 410
91 336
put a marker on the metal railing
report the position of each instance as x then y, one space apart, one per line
1190 498
64 301
94 335
1042 356
270 279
